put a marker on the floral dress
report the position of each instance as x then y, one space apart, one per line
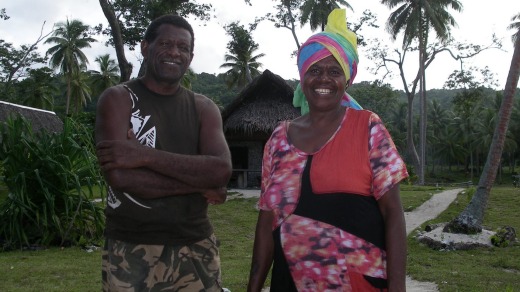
327 228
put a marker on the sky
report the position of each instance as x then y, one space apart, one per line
475 24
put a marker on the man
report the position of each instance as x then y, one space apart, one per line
164 156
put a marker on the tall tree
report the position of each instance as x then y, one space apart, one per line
515 26
471 218
13 62
128 20
416 18
80 89
288 13
70 38
38 89
286 16
188 78
108 74
438 117
385 57
316 12
241 60
468 105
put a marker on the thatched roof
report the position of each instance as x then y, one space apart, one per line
39 119
260 106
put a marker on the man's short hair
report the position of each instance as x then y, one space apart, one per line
151 32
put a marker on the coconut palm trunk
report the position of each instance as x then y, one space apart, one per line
470 219
67 106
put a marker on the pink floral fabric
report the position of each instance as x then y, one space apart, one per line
322 257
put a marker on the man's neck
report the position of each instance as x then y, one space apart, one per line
162 88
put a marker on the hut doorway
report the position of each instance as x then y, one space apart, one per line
240 160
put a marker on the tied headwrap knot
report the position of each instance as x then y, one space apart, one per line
337 40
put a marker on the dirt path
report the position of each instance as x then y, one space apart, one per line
427 211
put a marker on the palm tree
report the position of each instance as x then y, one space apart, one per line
515 26
316 12
514 128
38 89
108 74
470 219
450 147
188 78
416 18
79 88
70 38
241 60
397 125
438 117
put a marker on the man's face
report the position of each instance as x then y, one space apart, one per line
169 55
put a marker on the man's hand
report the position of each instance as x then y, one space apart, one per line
215 196
114 154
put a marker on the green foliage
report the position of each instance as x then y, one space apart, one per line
377 97
214 87
70 38
241 60
13 60
412 175
316 12
500 238
469 192
52 179
39 88
108 74
134 16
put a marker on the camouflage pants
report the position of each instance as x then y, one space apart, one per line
137 267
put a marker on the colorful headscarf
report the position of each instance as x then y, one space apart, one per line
337 40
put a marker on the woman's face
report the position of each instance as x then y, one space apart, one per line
324 84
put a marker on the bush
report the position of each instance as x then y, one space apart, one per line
504 236
52 179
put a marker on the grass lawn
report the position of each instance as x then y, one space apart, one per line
494 269
485 269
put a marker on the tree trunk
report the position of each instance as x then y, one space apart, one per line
293 27
471 218
248 74
422 124
423 116
124 66
410 145
68 95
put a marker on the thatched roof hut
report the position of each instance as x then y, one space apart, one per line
259 108
39 119
249 121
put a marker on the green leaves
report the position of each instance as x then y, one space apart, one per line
53 179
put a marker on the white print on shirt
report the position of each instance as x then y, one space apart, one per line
147 138
138 124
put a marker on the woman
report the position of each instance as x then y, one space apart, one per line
330 214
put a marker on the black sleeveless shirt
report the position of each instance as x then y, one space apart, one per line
169 123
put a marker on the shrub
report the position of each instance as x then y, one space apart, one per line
504 236
52 179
